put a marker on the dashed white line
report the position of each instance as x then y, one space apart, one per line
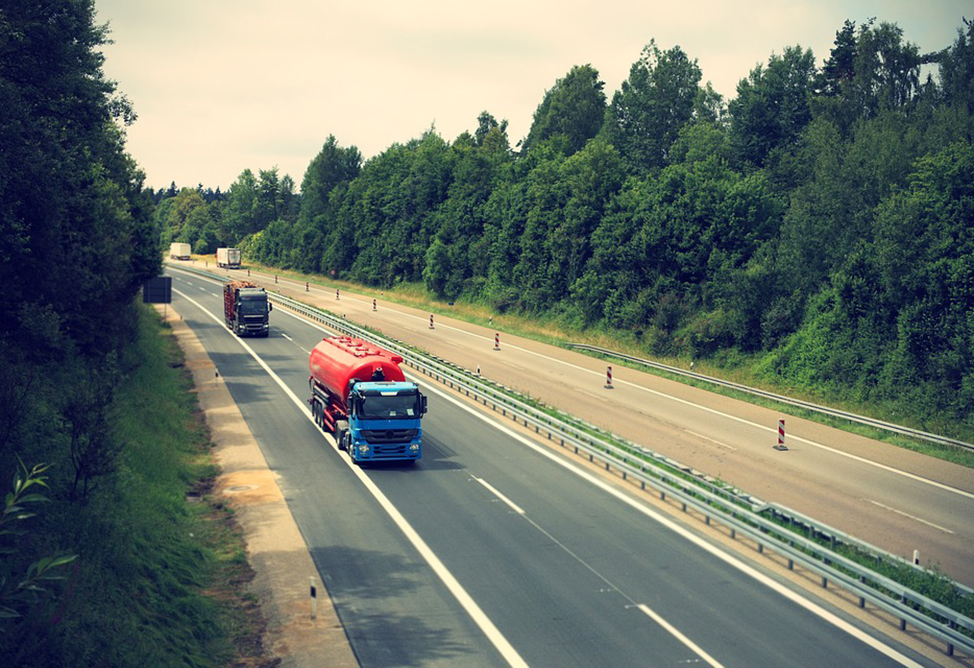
707 438
516 508
675 632
912 517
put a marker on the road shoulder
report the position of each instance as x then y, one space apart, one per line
275 548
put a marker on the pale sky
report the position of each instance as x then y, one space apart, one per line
223 86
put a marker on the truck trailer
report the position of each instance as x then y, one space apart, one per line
246 309
179 251
359 393
228 258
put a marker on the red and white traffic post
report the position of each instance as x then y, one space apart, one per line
608 377
497 341
781 436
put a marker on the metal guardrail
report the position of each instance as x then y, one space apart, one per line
739 512
825 410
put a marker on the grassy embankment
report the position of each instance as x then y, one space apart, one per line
731 365
161 569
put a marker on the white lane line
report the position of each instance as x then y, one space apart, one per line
686 534
287 337
516 508
672 630
679 636
492 633
707 438
912 517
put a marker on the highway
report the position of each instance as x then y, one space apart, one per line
891 497
494 551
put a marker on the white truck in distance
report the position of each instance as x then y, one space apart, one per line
228 258
179 251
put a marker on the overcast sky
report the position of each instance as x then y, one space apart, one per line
222 86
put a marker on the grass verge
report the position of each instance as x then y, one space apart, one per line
161 575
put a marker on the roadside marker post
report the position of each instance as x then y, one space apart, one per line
431 321
781 436
608 377
497 341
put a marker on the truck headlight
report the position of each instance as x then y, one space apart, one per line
414 447
363 449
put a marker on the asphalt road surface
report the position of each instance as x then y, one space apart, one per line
893 498
494 551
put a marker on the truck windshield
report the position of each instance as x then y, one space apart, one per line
253 306
377 407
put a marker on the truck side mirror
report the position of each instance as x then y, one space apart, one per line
270 307
422 404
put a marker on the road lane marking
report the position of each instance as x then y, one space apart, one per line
516 508
286 337
707 438
673 631
912 517
478 616
689 536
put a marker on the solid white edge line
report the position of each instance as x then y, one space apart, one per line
449 581
693 538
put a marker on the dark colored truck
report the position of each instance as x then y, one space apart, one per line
246 309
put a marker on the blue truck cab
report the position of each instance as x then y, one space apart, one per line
384 421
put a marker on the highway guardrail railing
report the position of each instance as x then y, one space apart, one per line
740 513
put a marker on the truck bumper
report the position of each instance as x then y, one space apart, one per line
362 451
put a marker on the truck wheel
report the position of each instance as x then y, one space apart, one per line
340 438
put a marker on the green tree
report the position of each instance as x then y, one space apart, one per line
957 70
573 110
653 104
773 105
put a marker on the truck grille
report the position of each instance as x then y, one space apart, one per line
382 436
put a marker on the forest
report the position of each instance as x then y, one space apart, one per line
818 225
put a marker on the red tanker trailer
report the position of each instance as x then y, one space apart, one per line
359 393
